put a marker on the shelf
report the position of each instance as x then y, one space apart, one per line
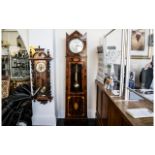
18 67
41 58
20 58
25 78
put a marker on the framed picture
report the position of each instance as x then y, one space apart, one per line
139 44
132 80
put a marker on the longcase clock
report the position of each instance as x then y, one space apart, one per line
40 62
76 75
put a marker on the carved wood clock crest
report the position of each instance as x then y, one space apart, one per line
76 75
40 62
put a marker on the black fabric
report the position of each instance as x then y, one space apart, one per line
146 77
17 107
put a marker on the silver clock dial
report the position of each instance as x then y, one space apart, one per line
76 45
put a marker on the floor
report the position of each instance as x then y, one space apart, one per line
76 122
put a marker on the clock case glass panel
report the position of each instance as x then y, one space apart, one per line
76 78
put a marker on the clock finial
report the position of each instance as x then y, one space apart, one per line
30 53
48 53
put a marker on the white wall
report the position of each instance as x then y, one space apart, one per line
24 33
43 114
46 114
93 39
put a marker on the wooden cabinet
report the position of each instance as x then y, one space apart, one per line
106 112
111 110
19 70
115 117
20 67
101 108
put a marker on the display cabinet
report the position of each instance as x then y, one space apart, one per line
113 60
140 62
19 69
15 64
125 86
129 62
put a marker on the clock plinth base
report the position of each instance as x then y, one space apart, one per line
76 121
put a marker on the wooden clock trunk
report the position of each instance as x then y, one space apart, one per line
76 68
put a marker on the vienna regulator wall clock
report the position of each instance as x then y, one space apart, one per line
40 62
76 75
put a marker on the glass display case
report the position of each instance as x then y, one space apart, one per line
114 61
128 61
140 62
19 66
15 60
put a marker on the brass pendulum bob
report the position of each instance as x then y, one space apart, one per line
76 84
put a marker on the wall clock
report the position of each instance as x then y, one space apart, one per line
76 75
40 62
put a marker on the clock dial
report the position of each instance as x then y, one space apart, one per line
76 45
40 67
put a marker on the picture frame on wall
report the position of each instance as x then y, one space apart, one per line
139 44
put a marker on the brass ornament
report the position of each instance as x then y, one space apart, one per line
76 106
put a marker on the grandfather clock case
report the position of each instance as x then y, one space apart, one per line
76 75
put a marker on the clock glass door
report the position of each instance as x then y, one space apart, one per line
76 77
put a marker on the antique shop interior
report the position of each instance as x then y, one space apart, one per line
77 77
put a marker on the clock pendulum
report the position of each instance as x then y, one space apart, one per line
76 84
